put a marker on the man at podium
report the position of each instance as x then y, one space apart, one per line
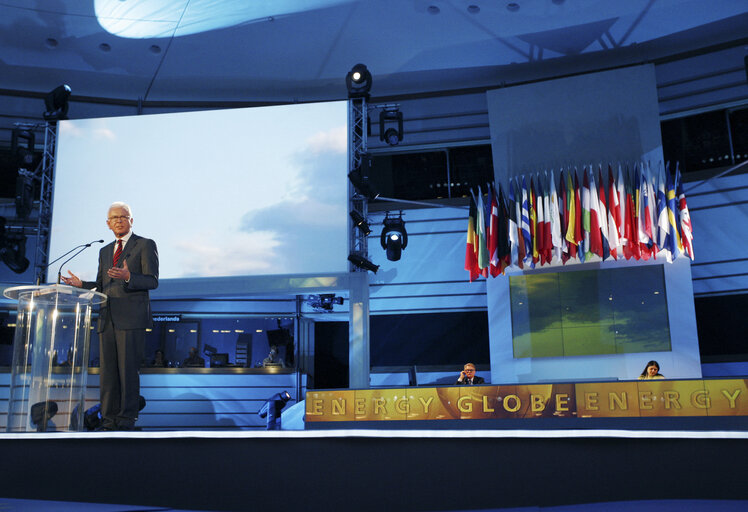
128 268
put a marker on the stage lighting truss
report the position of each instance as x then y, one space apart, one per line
358 82
391 124
394 238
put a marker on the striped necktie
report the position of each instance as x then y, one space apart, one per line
117 253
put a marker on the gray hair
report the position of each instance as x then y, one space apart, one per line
120 204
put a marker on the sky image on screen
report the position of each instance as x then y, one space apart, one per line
590 312
252 191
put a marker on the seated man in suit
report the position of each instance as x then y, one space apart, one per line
468 377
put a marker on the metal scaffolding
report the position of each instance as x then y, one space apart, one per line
44 173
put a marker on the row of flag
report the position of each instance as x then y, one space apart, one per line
637 214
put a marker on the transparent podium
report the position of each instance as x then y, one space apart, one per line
49 371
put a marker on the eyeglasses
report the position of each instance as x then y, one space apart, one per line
118 217
469 370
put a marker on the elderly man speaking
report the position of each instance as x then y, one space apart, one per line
128 268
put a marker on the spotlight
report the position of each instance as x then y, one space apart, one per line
273 408
394 238
360 222
209 350
358 81
361 262
13 249
391 135
41 413
57 103
361 183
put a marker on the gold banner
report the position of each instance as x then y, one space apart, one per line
585 400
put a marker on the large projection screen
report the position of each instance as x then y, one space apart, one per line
254 191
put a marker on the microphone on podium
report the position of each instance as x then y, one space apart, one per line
82 248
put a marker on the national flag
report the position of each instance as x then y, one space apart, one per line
578 227
584 255
603 214
533 221
632 247
595 237
672 242
480 227
471 255
622 204
525 223
661 216
493 235
614 212
503 248
686 230
644 224
554 221
547 239
514 240
540 233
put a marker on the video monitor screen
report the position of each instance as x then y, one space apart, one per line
590 312
251 191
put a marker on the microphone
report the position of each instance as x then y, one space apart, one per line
82 248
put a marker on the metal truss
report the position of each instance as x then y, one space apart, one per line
44 173
357 122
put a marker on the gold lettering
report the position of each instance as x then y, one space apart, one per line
486 408
591 401
316 407
379 404
562 402
645 400
360 406
671 399
405 403
537 403
338 407
426 403
517 403
464 408
701 400
732 398
622 401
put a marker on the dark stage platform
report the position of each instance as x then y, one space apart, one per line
374 470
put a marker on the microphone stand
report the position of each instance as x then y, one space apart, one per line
81 247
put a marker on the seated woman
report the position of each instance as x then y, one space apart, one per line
651 371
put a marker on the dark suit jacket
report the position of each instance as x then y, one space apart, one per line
128 304
476 381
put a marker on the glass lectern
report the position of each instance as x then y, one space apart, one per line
49 371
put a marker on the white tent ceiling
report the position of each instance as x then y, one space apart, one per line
300 50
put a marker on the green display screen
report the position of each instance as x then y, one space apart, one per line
590 312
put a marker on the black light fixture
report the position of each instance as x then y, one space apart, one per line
22 147
360 222
56 103
358 82
13 249
41 413
326 300
387 132
273 408
394 238
361 183
362 263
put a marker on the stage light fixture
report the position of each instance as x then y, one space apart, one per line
388 133
361 183
362 263
22 147
13 249
394 238
360 222
41 413
358 82
272 409
56 103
